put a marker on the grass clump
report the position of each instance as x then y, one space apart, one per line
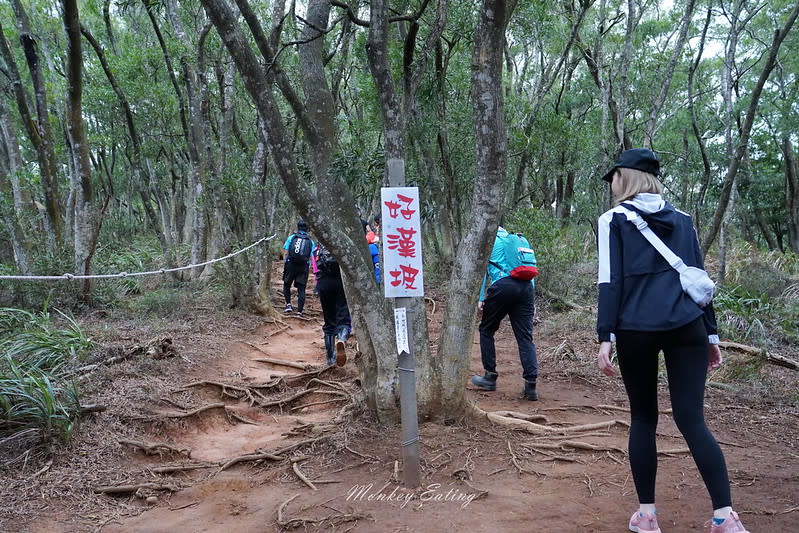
37 402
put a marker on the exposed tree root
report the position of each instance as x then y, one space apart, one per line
514 459
281 362
171 469
157 448
278 454
195 411
262 456
331 521
573 445
237 392
521 421
127 489
562 301
283 401
295 466
774 359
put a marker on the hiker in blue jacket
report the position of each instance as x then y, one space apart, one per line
503 295
297 248
643 308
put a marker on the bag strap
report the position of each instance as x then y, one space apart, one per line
671 258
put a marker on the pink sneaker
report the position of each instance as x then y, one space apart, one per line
731 525
644 523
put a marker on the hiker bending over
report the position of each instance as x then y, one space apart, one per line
510 292
297 253
642 306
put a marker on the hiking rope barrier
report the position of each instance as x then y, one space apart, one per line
70 277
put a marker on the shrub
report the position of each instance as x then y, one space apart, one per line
35 401
33 406
31 338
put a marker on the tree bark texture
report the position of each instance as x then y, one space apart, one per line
336 228
39 130
85 230
455 345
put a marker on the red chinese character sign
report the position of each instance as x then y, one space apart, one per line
402 242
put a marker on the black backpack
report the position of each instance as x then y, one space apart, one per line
300 248
325 261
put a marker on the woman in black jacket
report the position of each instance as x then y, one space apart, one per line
643 309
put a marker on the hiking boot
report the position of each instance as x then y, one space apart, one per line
731 525
341 346
330 349
644 523
288 309
299 314
529 391
487 382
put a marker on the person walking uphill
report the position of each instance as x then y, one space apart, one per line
509 290
336 314
298 248
642 306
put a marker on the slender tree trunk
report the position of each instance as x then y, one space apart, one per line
700 141
39 131
86 223
666 78
791 192
14 221
139 168
746 128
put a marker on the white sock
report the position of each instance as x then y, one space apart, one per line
722 513
647 508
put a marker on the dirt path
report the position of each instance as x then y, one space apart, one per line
476 477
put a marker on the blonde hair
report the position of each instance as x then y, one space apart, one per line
632 182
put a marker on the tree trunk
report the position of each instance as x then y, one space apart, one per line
335 226
745 131
160 227
700 141
39 131
14 221
791 193
665 79
86 225
455 345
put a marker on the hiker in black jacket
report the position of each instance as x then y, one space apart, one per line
643 308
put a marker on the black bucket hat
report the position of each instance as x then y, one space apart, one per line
642 159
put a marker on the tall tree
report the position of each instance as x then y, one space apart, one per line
454 350
742 141
39 130
86 224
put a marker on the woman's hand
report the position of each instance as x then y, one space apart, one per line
603 359
715 358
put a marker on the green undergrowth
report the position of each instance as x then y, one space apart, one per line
38 402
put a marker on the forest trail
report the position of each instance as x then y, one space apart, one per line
476 476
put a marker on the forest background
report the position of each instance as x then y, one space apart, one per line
145 135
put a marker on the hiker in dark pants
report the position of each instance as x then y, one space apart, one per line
515 298
298 248
336 314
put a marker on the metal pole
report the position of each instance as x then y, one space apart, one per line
407 368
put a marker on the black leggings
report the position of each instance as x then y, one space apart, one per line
686 354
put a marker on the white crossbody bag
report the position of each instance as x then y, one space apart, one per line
695 281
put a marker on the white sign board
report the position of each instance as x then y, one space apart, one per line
401 328
401 227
